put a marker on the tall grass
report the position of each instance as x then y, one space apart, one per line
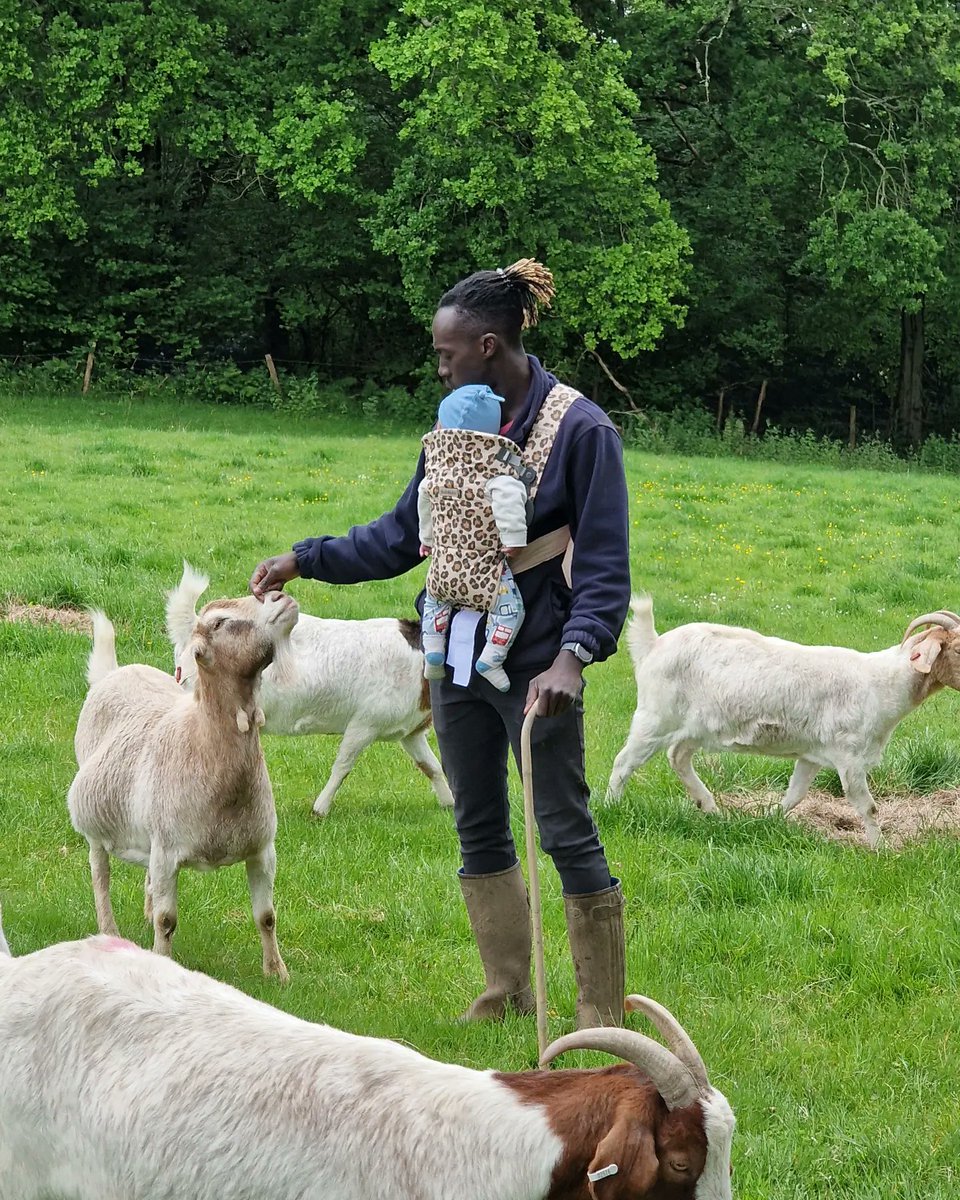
819 980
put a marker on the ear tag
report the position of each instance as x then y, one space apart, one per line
603 1173
176 675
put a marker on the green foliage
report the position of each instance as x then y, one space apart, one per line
517 140
889 174
259 176
730 195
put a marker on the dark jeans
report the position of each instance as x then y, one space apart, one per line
475 727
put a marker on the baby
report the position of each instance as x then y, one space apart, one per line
477 409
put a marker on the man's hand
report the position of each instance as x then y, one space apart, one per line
557 688
273 573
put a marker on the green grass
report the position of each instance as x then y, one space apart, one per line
820 981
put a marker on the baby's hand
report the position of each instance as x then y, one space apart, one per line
425 551
512 551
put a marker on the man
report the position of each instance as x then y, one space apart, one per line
477 335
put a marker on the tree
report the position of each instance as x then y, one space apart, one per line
517 139
890 161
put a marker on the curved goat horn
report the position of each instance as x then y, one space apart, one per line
943 618
674 1034
672 1078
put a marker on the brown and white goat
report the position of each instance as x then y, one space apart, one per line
719 687
171 779
144 1079
361 679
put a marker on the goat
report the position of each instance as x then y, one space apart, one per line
124 1074
362 679
169 779
720 687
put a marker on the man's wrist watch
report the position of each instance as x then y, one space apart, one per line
578 651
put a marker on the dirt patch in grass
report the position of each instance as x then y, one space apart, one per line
39 614
902 818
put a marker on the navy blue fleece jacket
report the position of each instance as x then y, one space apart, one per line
583 486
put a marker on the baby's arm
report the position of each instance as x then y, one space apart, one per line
508 498
425 517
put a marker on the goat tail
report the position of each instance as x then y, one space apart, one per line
4 948
641 634
182 607
103 656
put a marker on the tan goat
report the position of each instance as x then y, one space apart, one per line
172 779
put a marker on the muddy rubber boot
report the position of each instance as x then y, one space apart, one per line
500 918
595 929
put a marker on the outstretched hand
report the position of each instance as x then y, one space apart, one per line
273 573
556 688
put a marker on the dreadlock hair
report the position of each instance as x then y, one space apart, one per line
507 300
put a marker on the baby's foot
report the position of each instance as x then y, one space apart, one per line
495 675
434 665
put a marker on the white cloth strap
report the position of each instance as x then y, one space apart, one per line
460 642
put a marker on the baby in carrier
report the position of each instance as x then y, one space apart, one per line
472 506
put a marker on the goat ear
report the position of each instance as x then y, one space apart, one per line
182 606
630 1147
201 652
924 653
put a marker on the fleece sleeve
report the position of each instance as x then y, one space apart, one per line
386 547
600 570
508 499
425 514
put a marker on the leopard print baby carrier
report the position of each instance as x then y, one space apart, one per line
467 559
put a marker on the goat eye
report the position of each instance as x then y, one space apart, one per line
218 622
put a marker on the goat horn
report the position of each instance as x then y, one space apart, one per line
674 1034
672 1078
946 620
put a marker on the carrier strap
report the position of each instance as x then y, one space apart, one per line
541 437
542 549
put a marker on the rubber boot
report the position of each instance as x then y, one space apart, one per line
500 918
595 929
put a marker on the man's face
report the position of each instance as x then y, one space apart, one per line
463 356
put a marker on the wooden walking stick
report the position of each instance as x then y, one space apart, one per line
536 918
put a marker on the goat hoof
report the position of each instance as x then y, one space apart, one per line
279 971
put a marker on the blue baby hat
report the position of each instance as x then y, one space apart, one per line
474 406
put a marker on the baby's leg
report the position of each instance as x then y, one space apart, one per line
503 622
436 618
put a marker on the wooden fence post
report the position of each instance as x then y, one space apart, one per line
852 441
89 371
275 378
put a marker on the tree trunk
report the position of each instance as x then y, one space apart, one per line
720 396
755 427
910 388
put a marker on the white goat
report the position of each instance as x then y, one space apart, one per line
124 1075
363 679
719 687
170 779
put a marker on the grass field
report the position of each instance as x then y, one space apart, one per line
819 981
